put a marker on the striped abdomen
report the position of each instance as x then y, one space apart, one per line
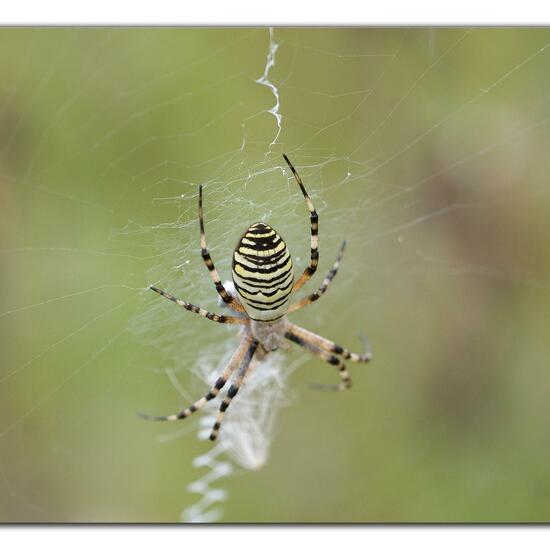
262 273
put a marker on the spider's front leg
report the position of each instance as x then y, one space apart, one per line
326 351
234 362
345 379
328 345
233 390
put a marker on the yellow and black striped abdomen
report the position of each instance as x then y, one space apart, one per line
262 273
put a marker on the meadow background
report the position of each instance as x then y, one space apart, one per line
426 148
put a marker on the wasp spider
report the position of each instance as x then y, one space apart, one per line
264 281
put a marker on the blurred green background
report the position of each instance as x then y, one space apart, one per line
426 148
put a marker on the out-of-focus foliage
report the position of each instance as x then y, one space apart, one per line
426 148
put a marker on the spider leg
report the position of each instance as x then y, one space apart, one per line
324 285
345 380
328 345
225 296
314 220
213 391
233 390
202 312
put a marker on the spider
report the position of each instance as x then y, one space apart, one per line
264 281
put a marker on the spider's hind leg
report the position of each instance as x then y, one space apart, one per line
199 310
207 259
314 223
324 285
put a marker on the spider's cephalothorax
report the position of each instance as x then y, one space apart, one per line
262 273
264 280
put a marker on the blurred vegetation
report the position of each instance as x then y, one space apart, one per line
444 134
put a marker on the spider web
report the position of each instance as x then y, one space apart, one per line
425 148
